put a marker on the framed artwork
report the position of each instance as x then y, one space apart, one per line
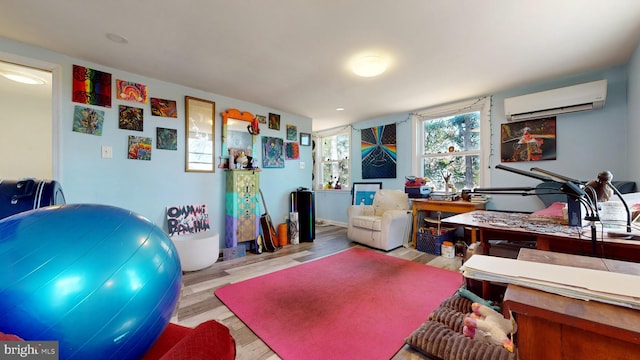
272 152
261 119
91 87
305 139
139 148
291 151
130 118
274 121
199 132
529 140
292 132
164 108
87 120
378 150
362 193
166 139
130 91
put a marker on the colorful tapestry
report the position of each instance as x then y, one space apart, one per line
87 120
292 151
166 139
165 108
187 219
91 87
378 149
139 148
130 91
130 118
530 140
272 152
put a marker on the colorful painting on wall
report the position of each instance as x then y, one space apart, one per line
91 87
166 139
378 149
272 152
87 120
292 132
139 148
130 91
130 118
187 219
530 140
291 151
274 121
164 108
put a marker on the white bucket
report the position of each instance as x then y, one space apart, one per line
197 250
448 250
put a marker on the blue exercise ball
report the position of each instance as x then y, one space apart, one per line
101 280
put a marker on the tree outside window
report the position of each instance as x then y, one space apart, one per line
334 161
449 144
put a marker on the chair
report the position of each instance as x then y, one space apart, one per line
385 225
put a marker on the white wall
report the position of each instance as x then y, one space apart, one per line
633 112
147 187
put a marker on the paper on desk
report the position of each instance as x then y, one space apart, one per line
586 284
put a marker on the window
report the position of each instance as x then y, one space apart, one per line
453 142
333 159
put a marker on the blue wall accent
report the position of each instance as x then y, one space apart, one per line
148 187
587 143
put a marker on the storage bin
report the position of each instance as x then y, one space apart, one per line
432 243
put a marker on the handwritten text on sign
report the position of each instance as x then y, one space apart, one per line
187 219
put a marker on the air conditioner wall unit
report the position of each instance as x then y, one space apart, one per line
564 100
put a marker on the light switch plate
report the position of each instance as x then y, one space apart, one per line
107 152
302 164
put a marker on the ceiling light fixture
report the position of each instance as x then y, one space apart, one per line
118 39
340 109
23 78
369 66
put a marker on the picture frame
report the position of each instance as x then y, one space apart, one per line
305 139
362 193
528 140
274 121
200 134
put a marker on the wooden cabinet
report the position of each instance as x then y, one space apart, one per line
552 326
242 209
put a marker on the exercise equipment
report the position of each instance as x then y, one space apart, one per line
101 280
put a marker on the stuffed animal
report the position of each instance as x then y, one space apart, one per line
486 324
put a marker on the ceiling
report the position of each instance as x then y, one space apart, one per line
293 55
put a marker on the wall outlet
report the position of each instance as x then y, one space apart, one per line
107 152
302 164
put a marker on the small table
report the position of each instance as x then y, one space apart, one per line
553 326
456 207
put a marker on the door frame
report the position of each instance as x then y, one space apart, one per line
56 98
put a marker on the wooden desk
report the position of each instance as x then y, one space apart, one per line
546 231
456 207
556 327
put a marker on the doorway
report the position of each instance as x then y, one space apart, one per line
27 122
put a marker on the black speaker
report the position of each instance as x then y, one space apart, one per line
303 202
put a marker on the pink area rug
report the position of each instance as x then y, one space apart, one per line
357 304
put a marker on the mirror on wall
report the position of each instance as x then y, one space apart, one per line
239 129
199 130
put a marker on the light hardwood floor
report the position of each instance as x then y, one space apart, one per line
198 303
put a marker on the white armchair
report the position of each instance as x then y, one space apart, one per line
385 225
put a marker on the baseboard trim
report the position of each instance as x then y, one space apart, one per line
320 222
